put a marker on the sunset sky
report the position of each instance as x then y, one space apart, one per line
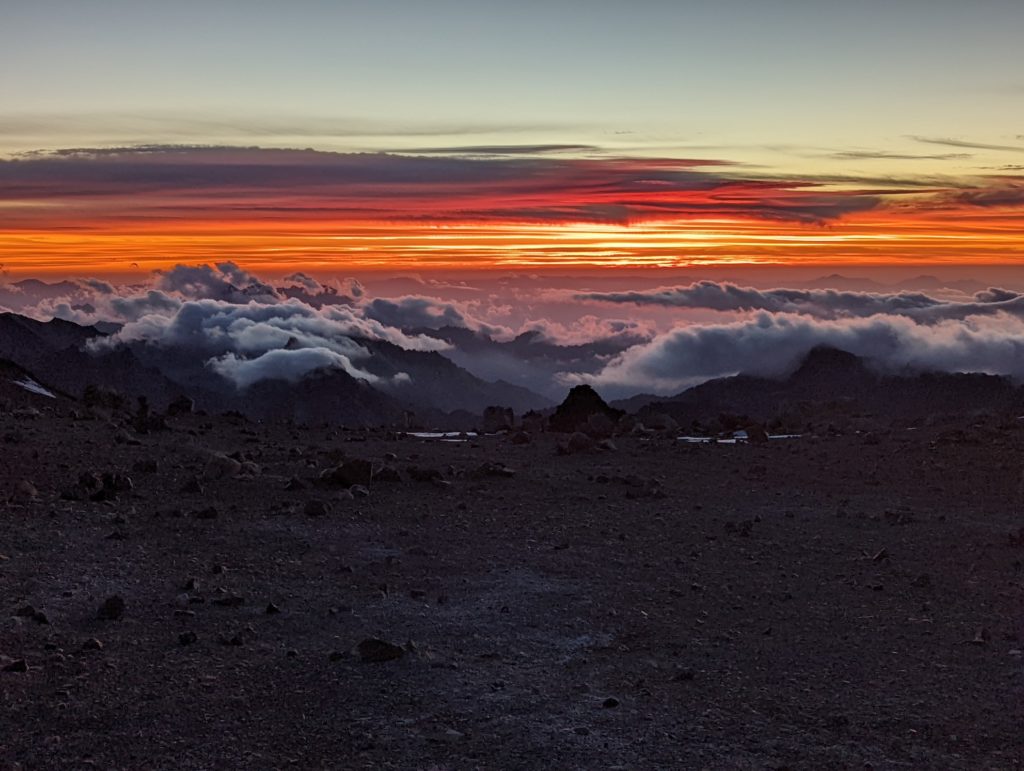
352 136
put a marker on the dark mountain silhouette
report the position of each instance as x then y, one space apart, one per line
324 396
57 351
436 382
504 360
828 381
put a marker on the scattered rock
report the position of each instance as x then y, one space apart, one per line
18 665
610 703
577 443
210 512
376 651
221 466
25 491
387 474
272 609
356 471
295 484
497 419
192 486
316 508
92 644
229 601
359 491
756 433
187 638
112 608
181 406
424 474
599 426
494 469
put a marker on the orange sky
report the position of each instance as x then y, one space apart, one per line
121 211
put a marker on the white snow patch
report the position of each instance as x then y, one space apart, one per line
31 385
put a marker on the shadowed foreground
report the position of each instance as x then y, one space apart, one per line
833 601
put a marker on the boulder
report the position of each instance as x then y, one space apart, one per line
352 472
574 413
220 466
497 419
181 406
599 426
576 443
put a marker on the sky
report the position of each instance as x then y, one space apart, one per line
466 136
639 196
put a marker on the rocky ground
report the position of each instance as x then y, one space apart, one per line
824 602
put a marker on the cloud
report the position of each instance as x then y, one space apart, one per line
505 149
223 281
771 344
157 182
949 142
820 303
284 364
882 155
1009 193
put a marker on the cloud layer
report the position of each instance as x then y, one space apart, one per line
528 330
497 184
820 303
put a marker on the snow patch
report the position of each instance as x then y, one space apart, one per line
31 385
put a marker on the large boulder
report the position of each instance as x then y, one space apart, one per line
574 413
497 419
356 471
576 444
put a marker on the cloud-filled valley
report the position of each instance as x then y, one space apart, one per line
222 320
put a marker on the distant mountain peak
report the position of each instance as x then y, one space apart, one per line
825 366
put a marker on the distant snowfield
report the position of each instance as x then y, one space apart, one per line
444 436
737 436
31 385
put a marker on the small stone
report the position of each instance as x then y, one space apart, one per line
18 665
220 466
295 484
377 651
272 609
92 644
359 491
230 601
112 608
210 512
352 472
25 491
316 508
187 638
610 703
192 486
387 474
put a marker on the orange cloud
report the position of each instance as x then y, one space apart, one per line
105 209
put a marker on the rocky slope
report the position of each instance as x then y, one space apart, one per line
225 594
